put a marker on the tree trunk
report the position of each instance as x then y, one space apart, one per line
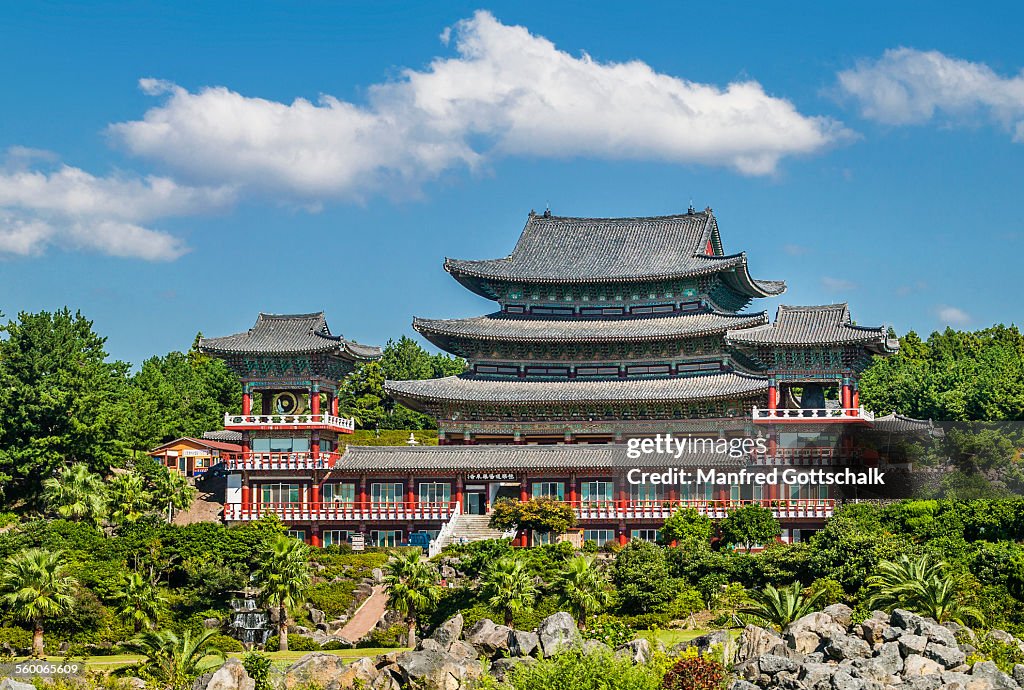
412 633
282 629
37 640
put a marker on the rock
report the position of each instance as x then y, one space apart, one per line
11 684
1018 673
557 633
708 640
772 664
230 676
846 647
883 669
315 668
755 641
521 643
929 682
211 623
902 618
949 657
989 671
956 628
1001 636
595 647
807 633
317 616
463 650
840 613
436 670
842 680
638 651
360 673
432 645
912 644
871 630
489 639
962 681
136 683
743 685
917 665
938 634
501 667
378 575
449 631
816 675
891 632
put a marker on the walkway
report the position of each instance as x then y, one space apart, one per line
366 616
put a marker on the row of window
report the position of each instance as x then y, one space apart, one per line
333 537
296 444
589 492
639 310
604 371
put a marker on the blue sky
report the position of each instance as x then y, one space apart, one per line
158 173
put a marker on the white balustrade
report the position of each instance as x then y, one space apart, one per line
264 421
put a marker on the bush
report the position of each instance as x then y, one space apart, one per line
641 578
577 671
296 643
258 667
16 638
590 546
395 636
831 591
333 598
611 631
695 673
226 643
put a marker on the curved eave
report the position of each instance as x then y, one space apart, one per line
344 350
741 281
465 390
873 341
446 331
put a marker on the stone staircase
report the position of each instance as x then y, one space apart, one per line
472 528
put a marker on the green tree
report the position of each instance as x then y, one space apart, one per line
283 577
641 577
749 526
581 588
782 606
509 588
60 400
127 498
689 528
923 585
138 602
171 492
76 494
36 587
411 585
173 660
545 515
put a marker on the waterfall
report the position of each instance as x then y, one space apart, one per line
249 623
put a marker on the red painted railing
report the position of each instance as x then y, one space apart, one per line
585 510
280 461
839 414
242 422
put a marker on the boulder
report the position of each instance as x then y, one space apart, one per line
939 634
230 676
772 664
912 644
816 675
840 613
360 673
522 643
987 670
638 651
136 683
846 647
871 630
949 657
901 618
807 634
463 650
843 680
917 665
11 684
1018 673
595 647
930 682
755 641
449 631
489 639
317 616
962 681
436 670
501 667
557 633
742 685
708 640
315 668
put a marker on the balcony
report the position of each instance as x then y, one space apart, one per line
839 415
280 461
590 511
819 456
288 422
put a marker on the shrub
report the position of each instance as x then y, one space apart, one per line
1005 655
611 631
16 638
641 578
695 673
686 603
577 671
258 667
590 546
829 591
395 636
226 643
333 598
296 643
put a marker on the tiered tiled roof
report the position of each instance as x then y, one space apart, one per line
502 327
500 458
289 334
468 389
899 424
556 249
828 324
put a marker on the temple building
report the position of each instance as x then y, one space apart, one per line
607 330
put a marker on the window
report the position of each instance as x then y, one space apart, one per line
554 490
385 537
599 536
280 493
547 371
552 311
597 371
596 491
641 370
435 492
333 537
645 492
280 445
339 493
299 534
515 309
386 492
543 538
645 535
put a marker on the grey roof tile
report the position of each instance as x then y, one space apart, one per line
827 324
289 334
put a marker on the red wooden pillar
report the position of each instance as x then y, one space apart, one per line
524 494
246 402
246 497
572 490
364 504
314 497
314 400
458 491
410 496
314 444
334 404
623 537
856 397
314 536
845 395
773 398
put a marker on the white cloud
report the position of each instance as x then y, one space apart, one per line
953 316
71 208
837 284
907 86
796 249
507 92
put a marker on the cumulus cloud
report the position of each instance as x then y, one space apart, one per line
507 92
907 86
837 284
71 208
953 316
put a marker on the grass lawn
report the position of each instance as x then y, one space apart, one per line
670 638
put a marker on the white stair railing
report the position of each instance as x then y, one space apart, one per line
445 535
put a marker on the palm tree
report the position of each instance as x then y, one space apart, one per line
283 576
174 661
509 587
138 602
127 498
922 585
171 491
411 584
77 494
780 607
582 588
36 586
